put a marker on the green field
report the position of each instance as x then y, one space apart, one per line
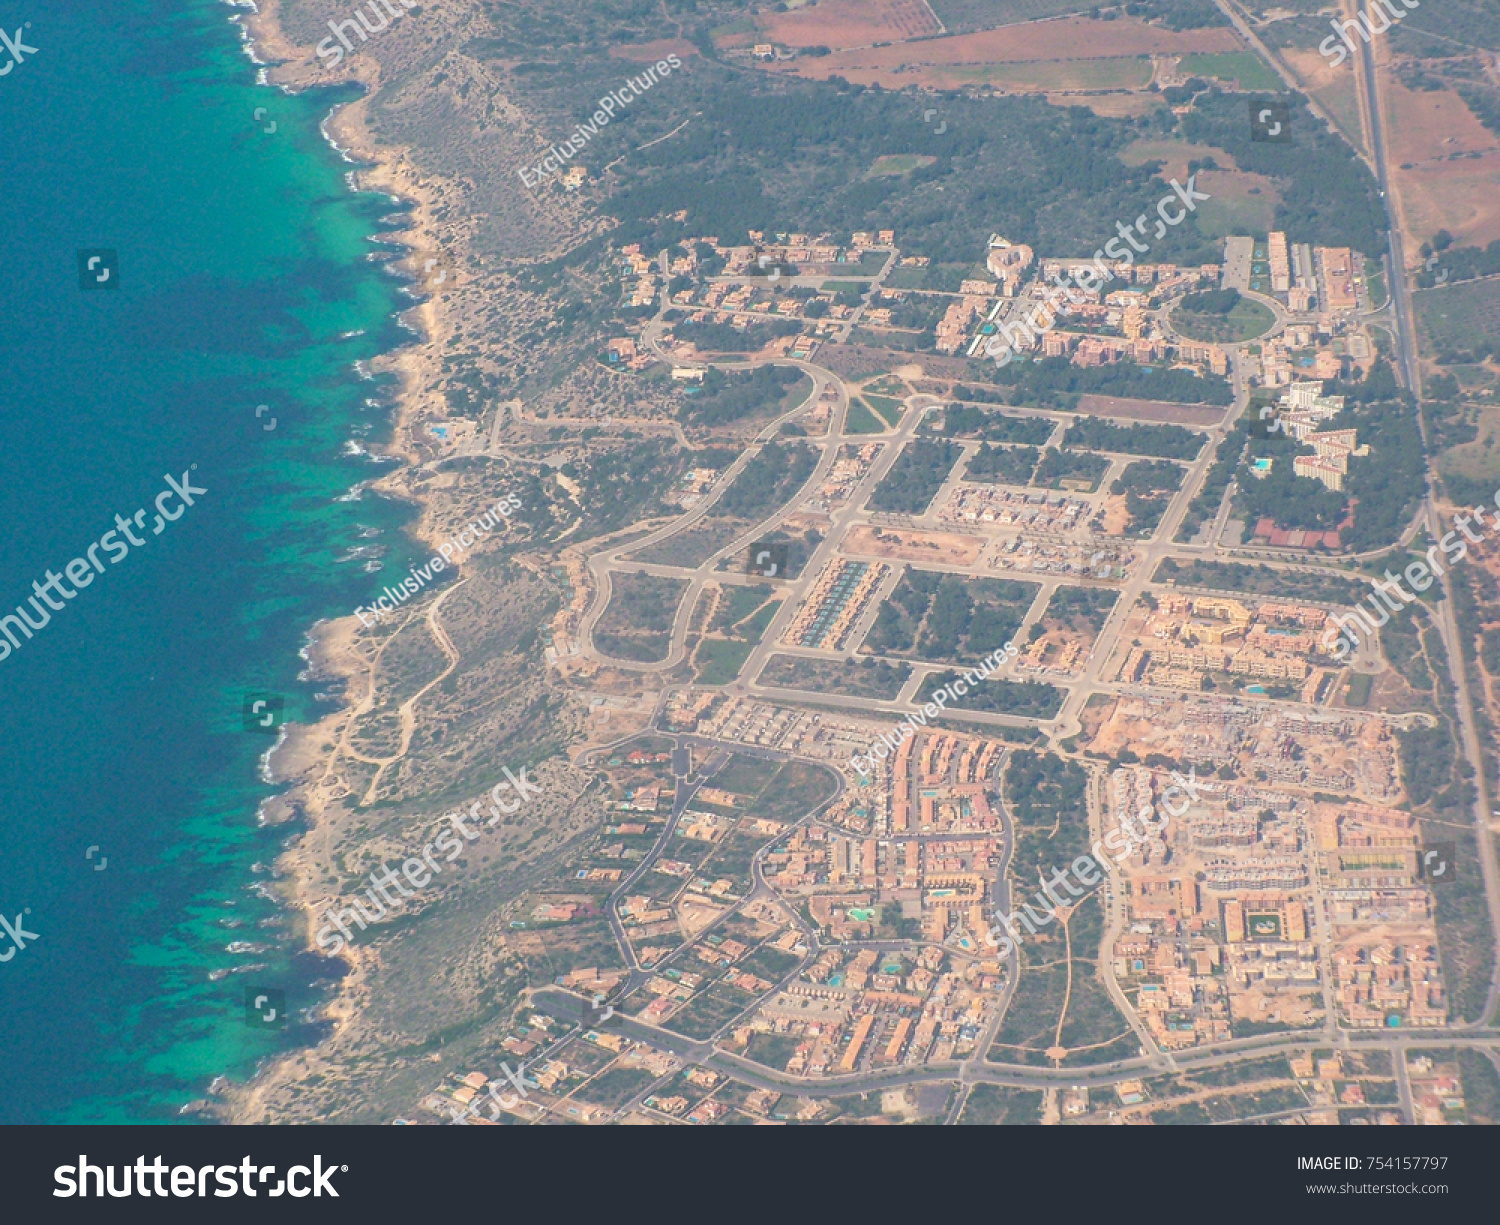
1357 688
888 408
993 1105
1240 204
1459 316
1478 460
1246 321
942 277
744 25
862 421
1244 68
744 616
961 16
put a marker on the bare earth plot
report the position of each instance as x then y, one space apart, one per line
1446 165
1048 56
850 23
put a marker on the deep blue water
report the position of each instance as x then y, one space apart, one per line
241 261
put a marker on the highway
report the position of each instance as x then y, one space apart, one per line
1403 322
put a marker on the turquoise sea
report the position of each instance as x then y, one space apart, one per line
241 260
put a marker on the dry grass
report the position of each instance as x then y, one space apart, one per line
1433 136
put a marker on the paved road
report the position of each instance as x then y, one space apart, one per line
1107 645
1410 369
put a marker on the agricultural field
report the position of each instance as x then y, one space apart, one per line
1069 54
1478 460
849 23
964 16
1462 316
1244 70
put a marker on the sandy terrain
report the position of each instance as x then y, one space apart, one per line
861 361
1174 156
336 649
1116 515
1332 88
1431 134
944 547
1111 106
649 53
1151 410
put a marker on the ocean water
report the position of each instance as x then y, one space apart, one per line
244 278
